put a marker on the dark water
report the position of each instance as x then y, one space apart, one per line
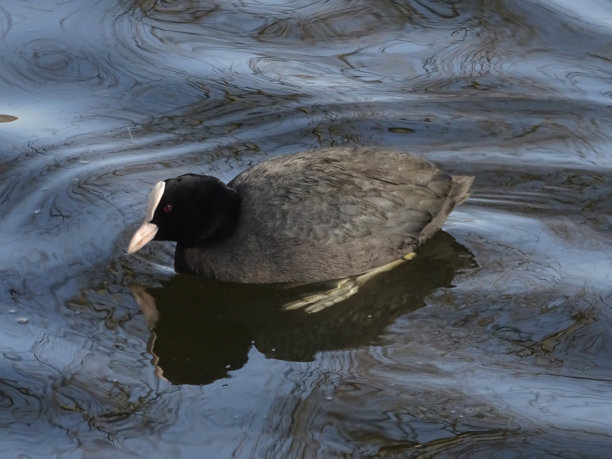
496 340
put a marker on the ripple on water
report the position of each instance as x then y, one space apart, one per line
441 385
297 22
51 60
5 22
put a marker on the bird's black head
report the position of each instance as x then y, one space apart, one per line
190 209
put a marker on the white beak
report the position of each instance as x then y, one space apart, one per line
142 237
147 230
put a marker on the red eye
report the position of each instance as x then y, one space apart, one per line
168 208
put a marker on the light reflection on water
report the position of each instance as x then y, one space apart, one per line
505 348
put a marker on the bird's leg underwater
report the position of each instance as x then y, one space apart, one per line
344 289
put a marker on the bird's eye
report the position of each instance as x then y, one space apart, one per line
168 208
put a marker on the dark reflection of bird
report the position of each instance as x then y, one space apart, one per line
203 329
312 216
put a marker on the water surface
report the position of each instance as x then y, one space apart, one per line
496 340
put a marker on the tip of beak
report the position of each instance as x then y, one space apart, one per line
142 237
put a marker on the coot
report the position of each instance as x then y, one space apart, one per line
311 216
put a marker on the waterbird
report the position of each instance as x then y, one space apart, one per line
317 215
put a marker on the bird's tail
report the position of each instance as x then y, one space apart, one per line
459 192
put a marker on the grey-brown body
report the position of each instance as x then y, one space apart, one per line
327 214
